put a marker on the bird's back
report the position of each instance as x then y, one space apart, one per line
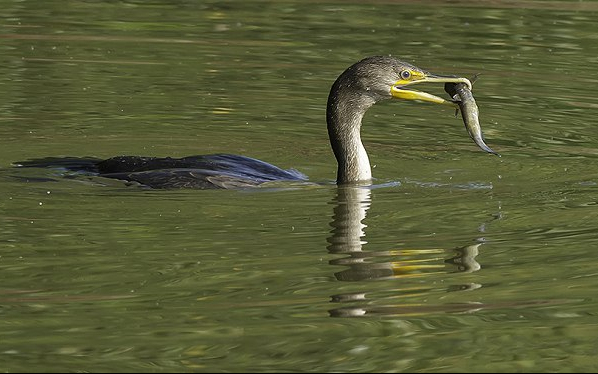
200 172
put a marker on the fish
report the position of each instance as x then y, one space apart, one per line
470 112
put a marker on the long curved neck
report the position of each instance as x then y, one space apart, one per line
344 113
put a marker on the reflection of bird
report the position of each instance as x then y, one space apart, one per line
359 87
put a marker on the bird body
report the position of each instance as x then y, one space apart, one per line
200 172
360 86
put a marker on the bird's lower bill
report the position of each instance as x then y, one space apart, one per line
401 91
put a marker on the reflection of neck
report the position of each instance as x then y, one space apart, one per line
351 205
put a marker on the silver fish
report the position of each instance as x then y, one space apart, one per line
462 95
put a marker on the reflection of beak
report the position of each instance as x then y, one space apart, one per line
398 90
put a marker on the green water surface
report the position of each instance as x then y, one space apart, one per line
457 260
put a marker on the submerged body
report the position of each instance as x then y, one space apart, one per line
360 86
199 172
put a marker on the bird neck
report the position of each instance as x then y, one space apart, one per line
344 114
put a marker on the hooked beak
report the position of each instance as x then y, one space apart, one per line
399 88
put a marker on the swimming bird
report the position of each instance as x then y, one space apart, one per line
360 86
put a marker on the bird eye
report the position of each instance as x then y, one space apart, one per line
405 74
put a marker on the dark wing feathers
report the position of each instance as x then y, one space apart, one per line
200 172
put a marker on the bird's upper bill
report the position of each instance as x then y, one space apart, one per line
408 78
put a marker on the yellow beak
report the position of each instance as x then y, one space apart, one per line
399 91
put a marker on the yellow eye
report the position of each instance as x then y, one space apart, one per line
405 74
